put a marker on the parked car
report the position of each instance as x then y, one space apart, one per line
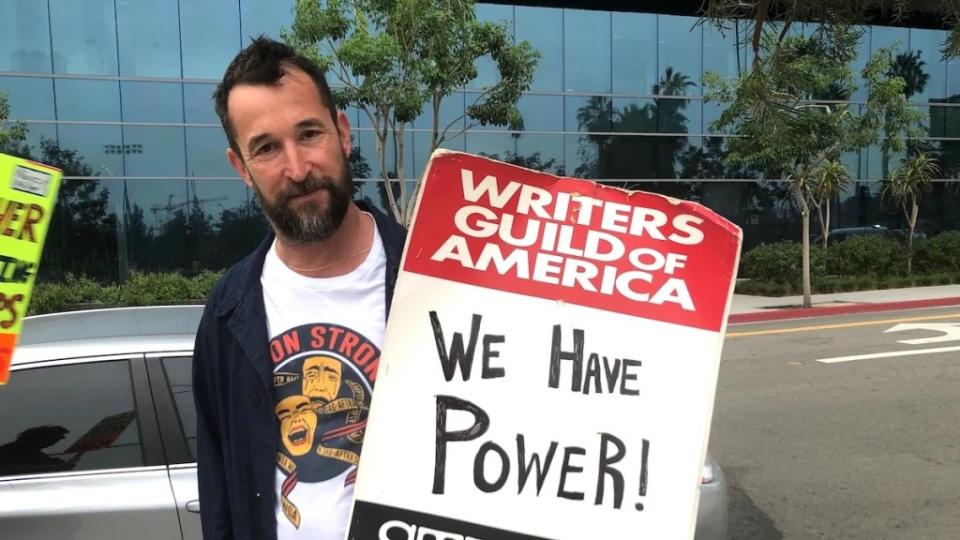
97 431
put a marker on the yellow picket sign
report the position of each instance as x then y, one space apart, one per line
28 192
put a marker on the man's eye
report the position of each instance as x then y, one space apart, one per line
310 134
265 148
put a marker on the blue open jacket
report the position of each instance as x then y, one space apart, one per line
237 430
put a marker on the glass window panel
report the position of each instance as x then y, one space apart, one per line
586 66
49 417
586 156
953 77
83 234
881 163
888 36
151 102
711 113
84 37
149 40
721 53
486 68
583 113
678 115
24 36
635 115
540 152
494 145
29 98
951 159
158 225
264 17
98 146
945 121
198 104
679 55
928 43
84 100
154 151
634 52
541 113
210 36
225 226
207 152
37 133
179 379
543 28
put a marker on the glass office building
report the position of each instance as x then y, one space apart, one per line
118 92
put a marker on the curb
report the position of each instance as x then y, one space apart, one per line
823 311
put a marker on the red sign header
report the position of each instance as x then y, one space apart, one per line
493 225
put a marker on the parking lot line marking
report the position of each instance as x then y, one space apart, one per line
890 354
837 326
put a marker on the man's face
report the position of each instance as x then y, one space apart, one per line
293 155
321 377
298 424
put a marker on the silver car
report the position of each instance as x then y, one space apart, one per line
97 430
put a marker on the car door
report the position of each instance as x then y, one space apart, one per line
171 382
80 453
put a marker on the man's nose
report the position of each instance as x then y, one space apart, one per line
297 166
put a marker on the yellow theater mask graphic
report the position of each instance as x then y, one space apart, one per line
321 377
298 424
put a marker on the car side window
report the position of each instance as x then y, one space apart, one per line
179 375
74 417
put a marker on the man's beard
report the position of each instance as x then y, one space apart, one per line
309 223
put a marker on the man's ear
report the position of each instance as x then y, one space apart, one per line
238 165
343 127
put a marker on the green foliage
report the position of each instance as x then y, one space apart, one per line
392 58
11 134
940 254
877 256
139 290
779 262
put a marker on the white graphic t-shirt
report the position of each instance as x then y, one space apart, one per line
325 343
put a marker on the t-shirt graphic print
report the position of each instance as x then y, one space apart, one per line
322 386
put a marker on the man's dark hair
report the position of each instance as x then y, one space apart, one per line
264 62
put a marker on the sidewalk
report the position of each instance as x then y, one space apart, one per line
747 308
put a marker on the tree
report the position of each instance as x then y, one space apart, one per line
829 180
761 15
909 182
393 57
11 133
909 67
783 132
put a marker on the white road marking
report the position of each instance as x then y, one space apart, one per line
951 332
890 354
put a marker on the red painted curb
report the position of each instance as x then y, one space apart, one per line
800 313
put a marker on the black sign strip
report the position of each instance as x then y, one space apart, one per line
377 522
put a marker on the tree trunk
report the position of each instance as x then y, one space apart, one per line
912 223
805 228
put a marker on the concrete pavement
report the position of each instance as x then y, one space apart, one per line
749 308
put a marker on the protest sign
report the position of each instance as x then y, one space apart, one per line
550 361
28 191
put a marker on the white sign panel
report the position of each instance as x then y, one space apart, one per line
550 361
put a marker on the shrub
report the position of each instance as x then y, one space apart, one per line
780 262
867 255
940 253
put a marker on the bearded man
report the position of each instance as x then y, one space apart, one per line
328 265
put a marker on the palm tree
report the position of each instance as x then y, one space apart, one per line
829 179
909 182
